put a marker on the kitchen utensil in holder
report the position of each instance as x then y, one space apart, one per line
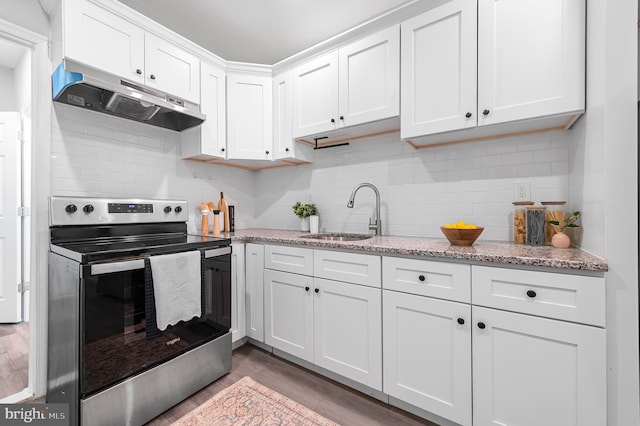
520 221
536 225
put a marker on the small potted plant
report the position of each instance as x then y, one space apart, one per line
304 211
560 239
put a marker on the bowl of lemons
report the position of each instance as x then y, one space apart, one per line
461 233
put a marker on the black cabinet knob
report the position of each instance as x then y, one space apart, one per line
178 209
333 120
286 149
138 71
317 290
531 293
71 208
266 152
485 112
481 325
460 321
306 288
468 115
167 209
88 208
342 117
152 77
421 277
222 149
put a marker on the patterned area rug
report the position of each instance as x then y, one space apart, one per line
247 402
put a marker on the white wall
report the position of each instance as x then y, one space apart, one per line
7 91
421 190
98 155
25 13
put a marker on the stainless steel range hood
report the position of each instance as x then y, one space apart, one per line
80 86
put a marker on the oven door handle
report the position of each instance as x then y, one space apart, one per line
217 252
111 267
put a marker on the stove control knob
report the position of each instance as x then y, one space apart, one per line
178 209
167 209
71 208
88 208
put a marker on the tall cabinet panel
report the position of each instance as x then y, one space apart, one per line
238 328
531 56
283 115
254 287
439 70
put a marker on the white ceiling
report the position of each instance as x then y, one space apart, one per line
10 53
260 31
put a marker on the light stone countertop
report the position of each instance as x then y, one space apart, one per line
496 252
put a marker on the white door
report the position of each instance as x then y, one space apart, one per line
288 313
439 70
427 354
213 103
348 330
532 371
369 84
238 329
254 296
283 116
315 96
170 69
531 58
249 117
10 249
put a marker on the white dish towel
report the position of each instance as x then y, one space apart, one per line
176 287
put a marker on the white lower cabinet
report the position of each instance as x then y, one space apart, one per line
427 354
254 291
238 330
348 330
532 371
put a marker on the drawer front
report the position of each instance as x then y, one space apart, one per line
426 278
289 259
567 297
349 267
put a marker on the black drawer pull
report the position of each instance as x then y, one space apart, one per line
317 290
485 112
481 325
468 115
461 321
306 288
531 294
421 277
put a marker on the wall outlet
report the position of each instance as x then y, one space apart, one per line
522 191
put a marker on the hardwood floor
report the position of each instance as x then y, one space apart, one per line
328 398
14 358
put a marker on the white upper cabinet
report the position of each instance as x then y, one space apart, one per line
283 115
209 140
101 39
531 58
439 70
357 84
530 62
249 117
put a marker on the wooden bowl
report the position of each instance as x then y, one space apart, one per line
462 237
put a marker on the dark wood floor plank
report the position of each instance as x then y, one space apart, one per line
330 399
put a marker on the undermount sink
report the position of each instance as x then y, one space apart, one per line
338 237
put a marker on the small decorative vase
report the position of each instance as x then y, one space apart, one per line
314 223
304 224
560 240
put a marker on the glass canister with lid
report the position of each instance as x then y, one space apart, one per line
536 225
555 212
520 221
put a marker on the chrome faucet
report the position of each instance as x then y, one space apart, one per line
373 224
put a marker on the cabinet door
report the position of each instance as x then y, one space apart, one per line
369 82
532 371
348 330
315 96
283 116
254 300
531 58
170 69
102 40
213 134
238 329
288 312
427 354
439 70
249 117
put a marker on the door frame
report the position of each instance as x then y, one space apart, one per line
41 189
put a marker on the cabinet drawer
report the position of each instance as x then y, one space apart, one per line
567 297
426 278
350 267
289 259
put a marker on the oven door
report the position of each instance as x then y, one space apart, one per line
114 341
